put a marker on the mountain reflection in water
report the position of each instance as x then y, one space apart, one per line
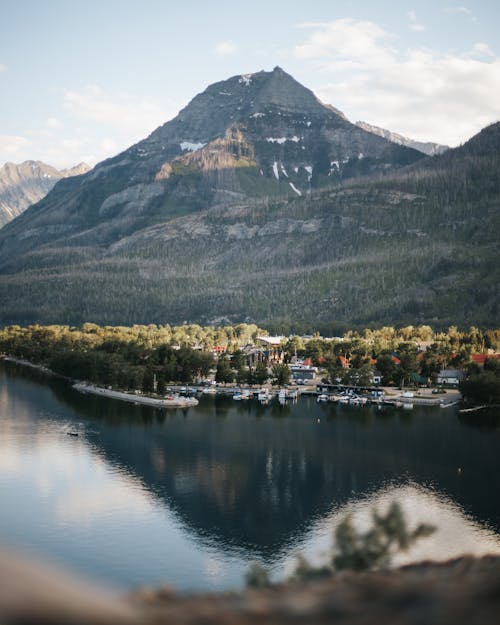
190 496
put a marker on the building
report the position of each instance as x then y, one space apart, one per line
269 341
480 359
450 377
302 373
376 378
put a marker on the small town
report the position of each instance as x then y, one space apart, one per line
405 367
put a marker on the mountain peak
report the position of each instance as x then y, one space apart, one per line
23 184
250 135
242 99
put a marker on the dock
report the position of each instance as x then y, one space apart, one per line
157 402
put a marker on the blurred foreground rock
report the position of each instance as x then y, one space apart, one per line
464 591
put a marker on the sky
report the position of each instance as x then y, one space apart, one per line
81 81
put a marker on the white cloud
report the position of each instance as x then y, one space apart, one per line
71 144
481 49
3 67
108 146
422 93
414 23
463 10
346 43
53 123
124 118
122 110
11 146
93 124
225 48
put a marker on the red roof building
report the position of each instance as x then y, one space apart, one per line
480 359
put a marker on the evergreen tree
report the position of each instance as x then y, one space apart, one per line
224 373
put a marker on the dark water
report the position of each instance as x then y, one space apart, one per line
190 496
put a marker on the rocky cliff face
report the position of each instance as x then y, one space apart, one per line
427 147
24 184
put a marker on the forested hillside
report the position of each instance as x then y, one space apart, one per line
383 244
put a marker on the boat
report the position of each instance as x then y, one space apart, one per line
209 390
263 394
322 398
237 396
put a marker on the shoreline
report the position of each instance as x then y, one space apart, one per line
454 397
84 387
157 402
32 365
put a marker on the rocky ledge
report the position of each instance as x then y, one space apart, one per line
463 591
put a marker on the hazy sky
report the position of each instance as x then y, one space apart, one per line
84 80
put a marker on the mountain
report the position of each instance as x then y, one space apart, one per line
263 135
258 202
427 147
26 183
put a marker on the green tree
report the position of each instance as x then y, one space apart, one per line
224 373
161 386
238 360
483 387
260 373
281 374
387 367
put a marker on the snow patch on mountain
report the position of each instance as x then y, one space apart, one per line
190 146
282 140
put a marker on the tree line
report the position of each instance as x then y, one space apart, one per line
148 357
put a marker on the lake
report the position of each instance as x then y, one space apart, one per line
131 495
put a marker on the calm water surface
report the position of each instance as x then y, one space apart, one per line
189 497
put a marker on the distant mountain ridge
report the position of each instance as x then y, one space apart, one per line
427 147
259 203
24 184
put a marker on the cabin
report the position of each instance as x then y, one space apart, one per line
450 377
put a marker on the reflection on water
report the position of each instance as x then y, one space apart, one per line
455 533
135 495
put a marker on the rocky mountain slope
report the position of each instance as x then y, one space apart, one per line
427 147
257 202
26 183
263 135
